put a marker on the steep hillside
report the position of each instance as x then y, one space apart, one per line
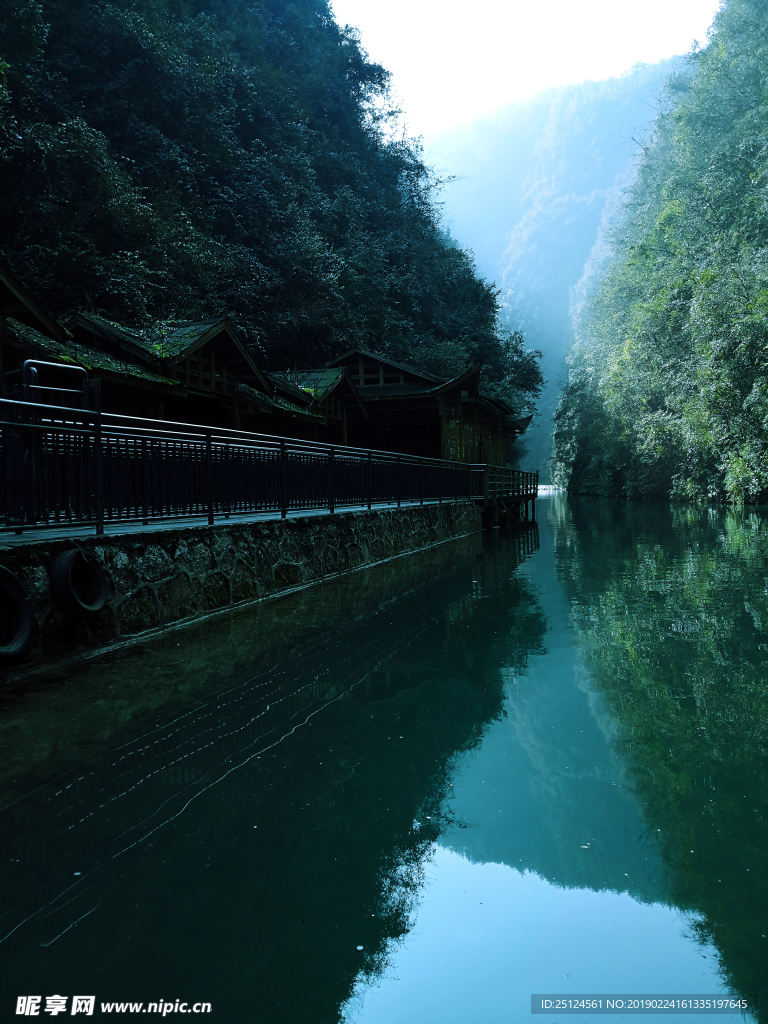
668 389
534 185
188 158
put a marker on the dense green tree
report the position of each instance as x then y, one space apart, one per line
671 354
187 158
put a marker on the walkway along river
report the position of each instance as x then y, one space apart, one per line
511 764
112 526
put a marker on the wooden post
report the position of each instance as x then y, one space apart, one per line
397 481
368 477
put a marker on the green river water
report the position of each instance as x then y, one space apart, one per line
418 794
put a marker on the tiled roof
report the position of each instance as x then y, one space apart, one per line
177 338
292 391
71 352
383 391
396 390
160 343
137 336
317 382
31 308
407 368
278 402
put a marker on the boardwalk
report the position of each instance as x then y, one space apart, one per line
73 471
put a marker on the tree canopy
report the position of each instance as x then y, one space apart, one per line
668 389
188 158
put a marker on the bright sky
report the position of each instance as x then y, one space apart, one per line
453 62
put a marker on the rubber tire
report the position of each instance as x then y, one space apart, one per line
89 595
21 614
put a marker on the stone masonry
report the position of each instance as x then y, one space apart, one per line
160 578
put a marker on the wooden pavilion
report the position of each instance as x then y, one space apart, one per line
209 376
413 411
203 372
332 396
189 371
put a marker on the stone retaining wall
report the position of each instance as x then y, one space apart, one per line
160 578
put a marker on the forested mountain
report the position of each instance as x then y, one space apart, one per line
171 159
534 184
668 389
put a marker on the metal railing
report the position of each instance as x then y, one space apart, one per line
74 467
502 483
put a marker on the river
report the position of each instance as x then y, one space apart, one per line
423 792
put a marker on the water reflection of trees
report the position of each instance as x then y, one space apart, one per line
672 609
354 701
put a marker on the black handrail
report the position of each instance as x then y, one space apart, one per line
78 467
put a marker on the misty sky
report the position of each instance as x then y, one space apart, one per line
452 62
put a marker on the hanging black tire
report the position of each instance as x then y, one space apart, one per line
17 620
78 584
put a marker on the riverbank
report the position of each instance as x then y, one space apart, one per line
157 580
